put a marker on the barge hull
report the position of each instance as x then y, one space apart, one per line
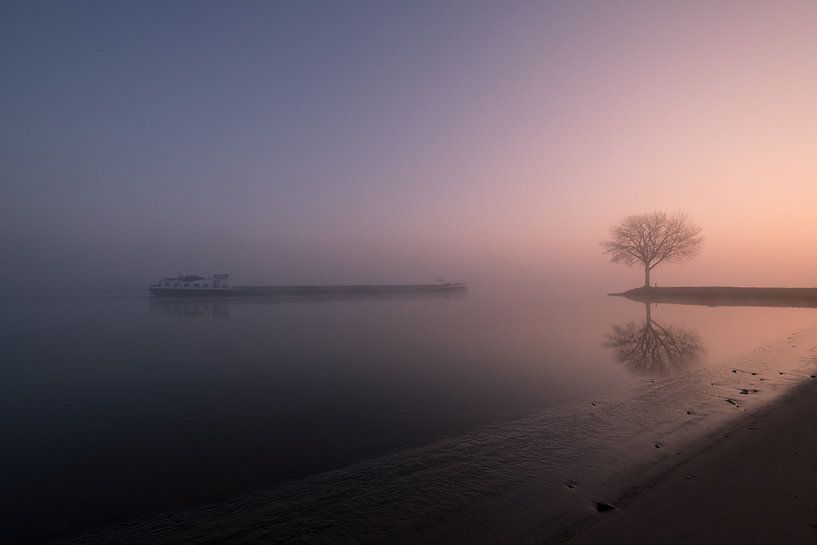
192 292
331 290
260 291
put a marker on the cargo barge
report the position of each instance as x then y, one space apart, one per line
218 285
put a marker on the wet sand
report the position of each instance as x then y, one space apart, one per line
755 483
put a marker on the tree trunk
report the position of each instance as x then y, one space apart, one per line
646 277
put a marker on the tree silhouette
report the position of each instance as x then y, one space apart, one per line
651 348
652 239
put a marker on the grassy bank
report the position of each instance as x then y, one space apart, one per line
725 296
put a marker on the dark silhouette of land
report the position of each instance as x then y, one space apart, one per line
725 296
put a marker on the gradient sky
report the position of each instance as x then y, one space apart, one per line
371 141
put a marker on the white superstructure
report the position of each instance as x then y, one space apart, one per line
192 284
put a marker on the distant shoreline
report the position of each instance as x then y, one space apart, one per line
725 296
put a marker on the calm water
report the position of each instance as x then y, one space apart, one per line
113 409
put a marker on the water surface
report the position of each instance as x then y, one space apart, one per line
116 408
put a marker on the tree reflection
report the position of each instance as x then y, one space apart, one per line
651 348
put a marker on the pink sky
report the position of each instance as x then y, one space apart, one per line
406 143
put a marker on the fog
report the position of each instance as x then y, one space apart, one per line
491 144
345 145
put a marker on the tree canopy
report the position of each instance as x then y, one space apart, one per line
652 239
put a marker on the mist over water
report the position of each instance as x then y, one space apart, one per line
491 143
323 143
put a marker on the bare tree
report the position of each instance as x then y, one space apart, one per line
652 239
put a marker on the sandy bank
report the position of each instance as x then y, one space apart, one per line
758 484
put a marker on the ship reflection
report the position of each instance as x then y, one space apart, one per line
191 308
651 348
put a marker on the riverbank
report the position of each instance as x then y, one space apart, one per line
754 484
725 296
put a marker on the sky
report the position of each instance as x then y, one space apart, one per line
384 141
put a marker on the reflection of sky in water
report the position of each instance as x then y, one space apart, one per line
181 403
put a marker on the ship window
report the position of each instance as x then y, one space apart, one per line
205 285
195 285
175 285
